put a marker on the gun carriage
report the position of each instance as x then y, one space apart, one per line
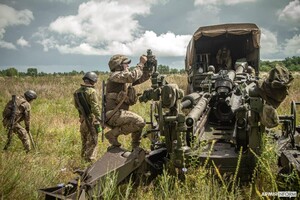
216 122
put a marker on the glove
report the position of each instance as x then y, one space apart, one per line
143 59
27 129
98 128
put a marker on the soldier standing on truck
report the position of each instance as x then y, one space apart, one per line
120 94
16 111
224 60
86 102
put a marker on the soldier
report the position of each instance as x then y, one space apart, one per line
16 111
120 94
224 58
86 102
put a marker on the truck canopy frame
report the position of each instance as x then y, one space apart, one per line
242 39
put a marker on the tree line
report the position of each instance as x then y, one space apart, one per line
162 69
293 64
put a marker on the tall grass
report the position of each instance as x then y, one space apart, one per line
55 129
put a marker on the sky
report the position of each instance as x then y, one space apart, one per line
66 35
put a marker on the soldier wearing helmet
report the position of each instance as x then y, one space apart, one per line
223 57
16 111
120 94
86 102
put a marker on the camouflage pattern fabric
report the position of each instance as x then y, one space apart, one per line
92 100
89 141
117 82
22 114
124 121
116 61
127 122
89 138
275 88
269 117
224 59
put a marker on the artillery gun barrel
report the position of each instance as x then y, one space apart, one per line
197 111
239 69
200 126
231 75
190 100
186 103
224 84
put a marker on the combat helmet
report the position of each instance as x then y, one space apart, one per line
30 95
211 68
116 61
91 76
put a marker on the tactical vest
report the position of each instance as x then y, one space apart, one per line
7 112
119 92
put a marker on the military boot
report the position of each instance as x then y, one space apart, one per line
136 140
135 145
112 137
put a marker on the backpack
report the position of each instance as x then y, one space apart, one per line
275 88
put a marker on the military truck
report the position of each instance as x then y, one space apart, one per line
216 124
222 62
242 42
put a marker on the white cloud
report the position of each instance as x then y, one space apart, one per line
45 39
167 44
7 45
291 13
292 46
48 43
108 27
11 17
102 21
220 2
269 43
22 42
84 49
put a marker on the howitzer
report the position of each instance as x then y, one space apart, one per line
11 122
221 113
219 116
175 134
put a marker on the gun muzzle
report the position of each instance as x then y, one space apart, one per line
197 111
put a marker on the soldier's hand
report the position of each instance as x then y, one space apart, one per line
27 129
143 59
99 120
81 119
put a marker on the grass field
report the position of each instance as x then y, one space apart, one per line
55 128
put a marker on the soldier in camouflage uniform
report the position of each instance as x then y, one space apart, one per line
88 127
224 60
120 94
22 113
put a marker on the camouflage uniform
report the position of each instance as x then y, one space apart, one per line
22 114
124 121
89 137
224 60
